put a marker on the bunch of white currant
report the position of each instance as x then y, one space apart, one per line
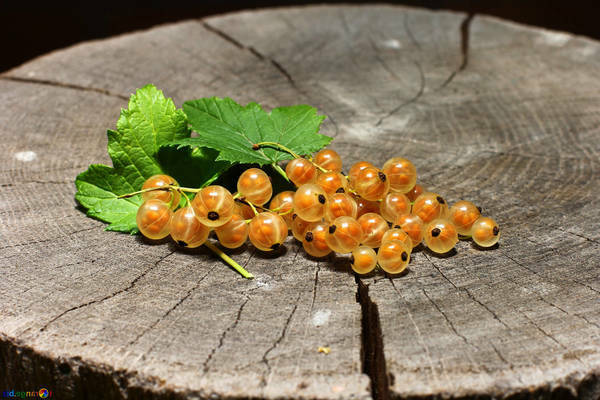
368 209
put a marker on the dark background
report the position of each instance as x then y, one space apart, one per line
28 29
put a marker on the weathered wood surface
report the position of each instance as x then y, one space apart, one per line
506 115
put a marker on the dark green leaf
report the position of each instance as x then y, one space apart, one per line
191 167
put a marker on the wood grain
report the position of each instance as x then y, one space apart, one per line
501 114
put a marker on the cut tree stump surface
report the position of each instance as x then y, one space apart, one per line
501 114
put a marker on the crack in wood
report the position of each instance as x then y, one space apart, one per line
312 303
449 322
501 357
205 364
277 65
248 260
348 39
504 360
408 102
53 239
440 272
80 262
372 355
575 234
314 291
265 359
381 60
544 300
539 296
549 336
171 309
225 36
253 51
335 125
129 287
38 182
469 294
521 265
508 153
542 331
298 248
494 315
63 85
409 33
583 317
465 32
345 25
285 73
418 331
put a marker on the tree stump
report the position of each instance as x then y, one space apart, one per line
502 114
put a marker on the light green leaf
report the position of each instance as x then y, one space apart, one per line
97 191
226 126
150 122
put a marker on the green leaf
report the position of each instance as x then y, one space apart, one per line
226 126
150 122
191 167
97 191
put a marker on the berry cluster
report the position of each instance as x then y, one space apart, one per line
370 208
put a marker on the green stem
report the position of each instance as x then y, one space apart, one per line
189 203
229 260
253 208
309 158
165 188
220 252
248 204
280 170
124 196
318 166
277 145
187 199
287 150
186 189
287 212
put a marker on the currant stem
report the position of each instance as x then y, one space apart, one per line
229 260
124 196
165 188
318 166
279 146
185 189
253 208
281 171
287 212
287 150
187 200
241 200
170 203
